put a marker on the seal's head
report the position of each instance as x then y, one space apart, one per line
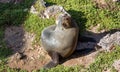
64 20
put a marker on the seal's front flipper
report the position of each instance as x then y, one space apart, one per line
54 62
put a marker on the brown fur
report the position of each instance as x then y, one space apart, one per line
60 39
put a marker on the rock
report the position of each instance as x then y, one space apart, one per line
52 11
41 4
33 10
15 58
14 37
109 40
116 65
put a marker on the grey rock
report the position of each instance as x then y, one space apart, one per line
116 65
52 11
33 10
109 40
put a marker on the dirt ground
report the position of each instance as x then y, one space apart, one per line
25 55
32 57
29 56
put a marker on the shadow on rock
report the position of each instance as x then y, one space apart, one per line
14 38
87 50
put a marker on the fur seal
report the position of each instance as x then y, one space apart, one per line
60 39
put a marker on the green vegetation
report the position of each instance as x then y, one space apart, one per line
11 14
84 12
105 60
61 68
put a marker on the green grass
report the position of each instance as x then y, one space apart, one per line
11 14
105 60
36 24
84 12
61 68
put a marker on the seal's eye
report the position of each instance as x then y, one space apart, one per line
68 19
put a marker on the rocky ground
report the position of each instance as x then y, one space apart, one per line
29 56
25 54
